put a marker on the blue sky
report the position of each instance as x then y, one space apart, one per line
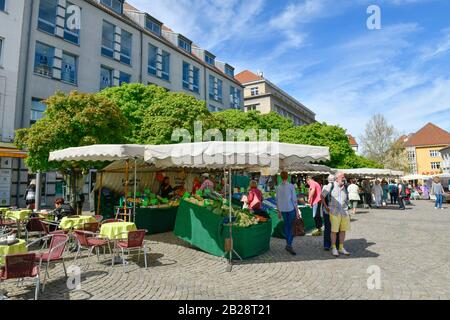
322 53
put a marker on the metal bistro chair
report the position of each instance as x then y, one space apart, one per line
134 242
90 241
55 253
98 218
35 226
91 227
20 266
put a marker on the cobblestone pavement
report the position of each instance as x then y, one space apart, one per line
410 247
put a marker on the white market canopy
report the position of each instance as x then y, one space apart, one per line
317 169
413 177
99 153
235 155
370 172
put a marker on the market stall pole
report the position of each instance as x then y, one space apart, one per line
230 247
99 197
135 186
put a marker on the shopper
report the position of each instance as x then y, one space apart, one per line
393 191
207 184
353 195
385 187
339 217
62 209
438 190
377 192
367 194
255 199
287 208
326 199
165 189
30 195
315 200
401 187
197 185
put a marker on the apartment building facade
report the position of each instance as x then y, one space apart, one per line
262 95
445 154
424 149
89 45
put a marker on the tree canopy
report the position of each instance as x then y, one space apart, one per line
71 120
135 113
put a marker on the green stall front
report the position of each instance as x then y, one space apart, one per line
278 224
206 231
156 220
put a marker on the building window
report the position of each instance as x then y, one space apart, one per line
108 39
43 59
186 75
115 5
252 107
210 60
254 91
196 80
235 98
211 87
229 71
124 78
2 5
434 153
105 78
219 90
47 15
212 108
165 72
152 26
69 68
183 44
37 110
152 59
71 35
435 165
126 42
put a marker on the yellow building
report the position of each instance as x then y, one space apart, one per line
424 147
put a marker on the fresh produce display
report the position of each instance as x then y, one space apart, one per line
243 218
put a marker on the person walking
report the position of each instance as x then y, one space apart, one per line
353 195
438 190
385 187
287 206
401 187
314 201
30 195
393 191
326 199
339 217
367 194
377 192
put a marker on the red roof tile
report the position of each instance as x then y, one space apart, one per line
352 140
247 76
430 135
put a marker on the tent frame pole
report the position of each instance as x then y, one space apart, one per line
230 196
134 202
99 197
125 203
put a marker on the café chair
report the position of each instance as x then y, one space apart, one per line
134 242
98 218
20 266
90 241
54 253
91 227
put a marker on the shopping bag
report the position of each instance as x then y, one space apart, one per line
298 228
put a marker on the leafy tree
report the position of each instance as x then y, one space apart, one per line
71 120
397 157
320 134
135 100
173 111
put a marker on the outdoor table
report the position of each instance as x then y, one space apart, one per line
20 247
68 223
113 230
18 215
206 231
4 210
156 220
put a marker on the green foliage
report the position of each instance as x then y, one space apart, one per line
335 137
173 111
135 100
71 120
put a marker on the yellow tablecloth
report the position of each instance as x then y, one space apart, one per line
4 210
18 215
111 230
68 223
20 247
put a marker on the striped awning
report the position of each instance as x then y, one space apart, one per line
9 150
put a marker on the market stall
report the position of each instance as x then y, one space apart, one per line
209 229
370 173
